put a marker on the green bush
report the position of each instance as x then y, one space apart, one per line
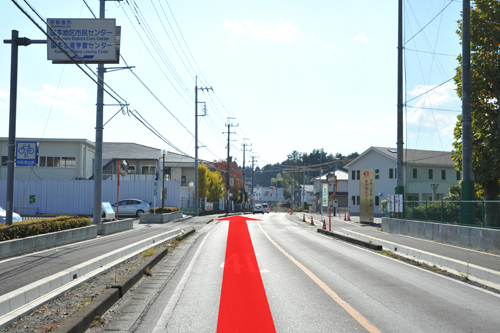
42 226
165 210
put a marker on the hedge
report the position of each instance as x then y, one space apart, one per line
165 210
42 226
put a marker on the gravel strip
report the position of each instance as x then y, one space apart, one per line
49 316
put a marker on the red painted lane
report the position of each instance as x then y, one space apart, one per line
243 303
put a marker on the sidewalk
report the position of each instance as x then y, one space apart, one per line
479 266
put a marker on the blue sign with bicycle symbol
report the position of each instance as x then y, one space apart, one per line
25 153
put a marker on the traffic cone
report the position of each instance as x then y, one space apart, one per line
345 217
312 222
324 224
348 216
303 217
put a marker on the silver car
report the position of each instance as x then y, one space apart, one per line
3 215
133 207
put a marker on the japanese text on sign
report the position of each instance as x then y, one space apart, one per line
89 39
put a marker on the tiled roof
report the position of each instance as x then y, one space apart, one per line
125 150
417 156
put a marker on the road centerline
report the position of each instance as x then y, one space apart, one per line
346 306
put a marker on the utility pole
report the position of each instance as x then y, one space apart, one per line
467 191
228 125
196 206
321 185
244 187
303 182
163 184
96 218
253 171
400 189
15 42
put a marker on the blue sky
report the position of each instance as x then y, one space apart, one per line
295 75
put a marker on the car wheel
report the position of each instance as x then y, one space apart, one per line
139 213
253 213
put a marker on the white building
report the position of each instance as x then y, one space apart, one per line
423 170
342 189
304 193
268 194
61 159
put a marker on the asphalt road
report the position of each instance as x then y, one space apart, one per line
313 283
20 271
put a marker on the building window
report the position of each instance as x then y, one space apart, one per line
148 169
377 200
131 169
376 173
414 173
458 175
57 162
391 173
357 200
357 174
353 200
353 177
183 180
4 160
443 174
430 174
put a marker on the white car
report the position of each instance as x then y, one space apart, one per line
133 207
266 208
15 217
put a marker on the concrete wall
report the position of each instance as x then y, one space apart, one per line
17 247
476 238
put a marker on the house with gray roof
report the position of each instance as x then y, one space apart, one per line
428 175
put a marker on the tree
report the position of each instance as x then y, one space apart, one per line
209 184
485 98
236 173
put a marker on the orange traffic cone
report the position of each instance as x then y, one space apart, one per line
303 217
345 217
324 224
348 216
312 222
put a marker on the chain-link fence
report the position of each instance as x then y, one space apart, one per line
485 214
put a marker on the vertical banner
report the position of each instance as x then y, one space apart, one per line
325 195
366 195
399 203
390 203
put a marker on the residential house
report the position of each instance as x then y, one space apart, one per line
428 175
304 193
268 194
342 190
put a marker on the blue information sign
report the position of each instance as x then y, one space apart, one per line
25 153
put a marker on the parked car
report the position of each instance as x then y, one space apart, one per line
257 208
133 207
3 216
266 208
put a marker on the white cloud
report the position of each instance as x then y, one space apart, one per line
68 99
361 37
281 32
435 96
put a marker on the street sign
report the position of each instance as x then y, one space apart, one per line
325 195
231 182
25 153
93 40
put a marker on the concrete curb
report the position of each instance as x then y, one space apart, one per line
351 240
18 303
480 274
80 322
